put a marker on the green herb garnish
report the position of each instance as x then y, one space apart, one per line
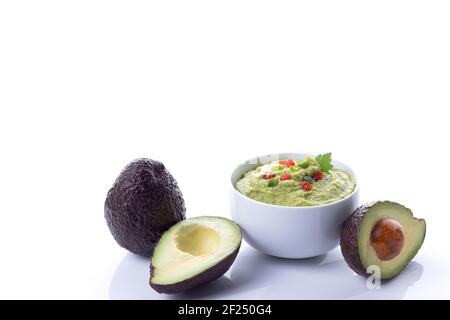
294 168
308 178
324 161
279 167
273 182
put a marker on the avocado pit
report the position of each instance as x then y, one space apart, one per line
387 239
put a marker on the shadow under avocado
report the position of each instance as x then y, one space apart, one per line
258 276
323 277
131 281
397 287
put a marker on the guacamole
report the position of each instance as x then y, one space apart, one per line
296 183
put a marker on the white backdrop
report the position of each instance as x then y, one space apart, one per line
87 86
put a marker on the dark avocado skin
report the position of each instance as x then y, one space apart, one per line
209 275
349 239
143 203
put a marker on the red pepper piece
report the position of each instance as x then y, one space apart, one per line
287 163
318 176
305 185
268 176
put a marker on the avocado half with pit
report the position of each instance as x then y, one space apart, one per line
383 234
193 252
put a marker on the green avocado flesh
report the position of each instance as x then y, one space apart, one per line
360 251
193 252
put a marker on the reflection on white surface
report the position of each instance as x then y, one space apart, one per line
258 276
324 277
131 281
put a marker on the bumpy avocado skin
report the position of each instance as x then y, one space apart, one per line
349 239
144 201
209 275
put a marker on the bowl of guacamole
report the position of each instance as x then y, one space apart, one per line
310 181
292 205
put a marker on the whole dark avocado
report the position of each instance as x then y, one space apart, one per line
381 234
144 201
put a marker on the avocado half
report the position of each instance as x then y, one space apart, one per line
193 252
143 203
383 234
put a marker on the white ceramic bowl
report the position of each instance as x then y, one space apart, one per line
289 232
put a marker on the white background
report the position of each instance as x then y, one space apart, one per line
87 86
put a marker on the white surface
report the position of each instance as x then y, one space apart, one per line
289 232
258 276
87 86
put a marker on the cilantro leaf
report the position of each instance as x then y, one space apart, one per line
324 161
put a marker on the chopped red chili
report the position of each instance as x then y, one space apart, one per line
318 176
305 185
268 176
287 163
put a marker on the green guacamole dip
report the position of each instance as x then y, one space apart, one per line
296 184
